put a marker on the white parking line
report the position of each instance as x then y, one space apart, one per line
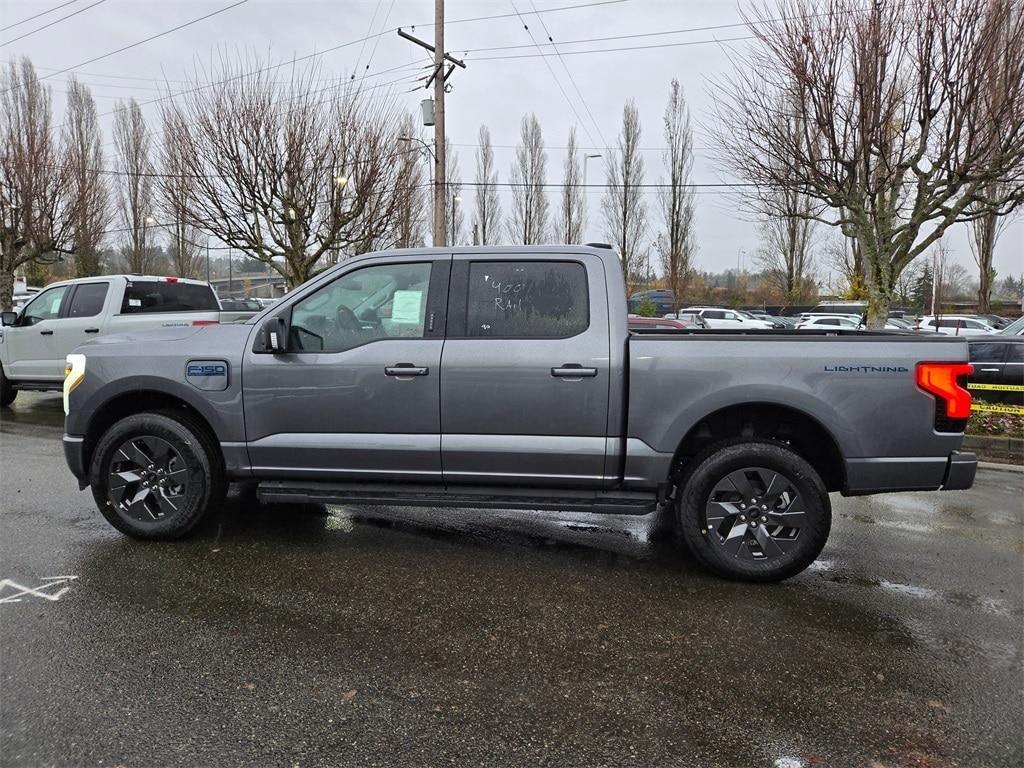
22 591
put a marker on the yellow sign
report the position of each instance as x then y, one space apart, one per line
996 408
998 387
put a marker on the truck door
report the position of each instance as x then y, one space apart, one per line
33 344
525 371
82 317
355 397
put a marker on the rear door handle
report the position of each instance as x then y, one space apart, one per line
406 369
92 330
989 370
573 371
46 333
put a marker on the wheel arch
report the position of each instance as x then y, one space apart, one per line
804 433
134 401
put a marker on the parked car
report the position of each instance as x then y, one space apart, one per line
955 325
35 341
1016 328
996 321
692 319
637 323
998 361
506 377
819 322
663 300
240 305
764 317
719 317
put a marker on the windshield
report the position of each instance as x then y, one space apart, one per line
900 323
1016 328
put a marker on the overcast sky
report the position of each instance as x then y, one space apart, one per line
496 92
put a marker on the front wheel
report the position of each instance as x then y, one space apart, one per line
155 475
7 391
754 511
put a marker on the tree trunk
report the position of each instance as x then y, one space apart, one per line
6 290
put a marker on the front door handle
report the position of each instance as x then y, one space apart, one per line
406 369
573 371
46 333
989 370
92 330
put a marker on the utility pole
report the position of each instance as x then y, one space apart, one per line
439 79
440 192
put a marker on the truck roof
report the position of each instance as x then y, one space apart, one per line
132 278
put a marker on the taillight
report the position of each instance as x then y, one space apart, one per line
206 322
940 379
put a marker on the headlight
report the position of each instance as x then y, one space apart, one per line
74 372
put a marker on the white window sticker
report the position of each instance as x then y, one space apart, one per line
134 302
405 306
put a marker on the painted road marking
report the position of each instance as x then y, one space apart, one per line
22 591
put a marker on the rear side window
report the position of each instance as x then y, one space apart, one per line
1015 354
987 352
88 300
145 296
713 314
527 299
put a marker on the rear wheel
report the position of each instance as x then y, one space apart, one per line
155 475
7 392
754 511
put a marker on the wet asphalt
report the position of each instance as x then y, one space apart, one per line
282 636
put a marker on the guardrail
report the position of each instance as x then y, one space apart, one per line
993 407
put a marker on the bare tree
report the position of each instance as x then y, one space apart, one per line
625 212
36 216
487 218
456 223
410 212
985 231
290 169
136 174
677 245
528 223
177 190
896 97
785 254
90 197
573 208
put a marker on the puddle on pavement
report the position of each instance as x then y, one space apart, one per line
959 599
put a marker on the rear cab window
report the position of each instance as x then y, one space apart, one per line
527 299
151 296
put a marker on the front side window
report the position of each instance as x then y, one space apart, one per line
386 301
88 300
527 299
45 306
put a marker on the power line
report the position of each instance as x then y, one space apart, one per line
377 41
146 40
621 49
55 21
554 77
572 80
37 15
510 15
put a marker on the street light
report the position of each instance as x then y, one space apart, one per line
340 181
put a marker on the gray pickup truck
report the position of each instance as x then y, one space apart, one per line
507 378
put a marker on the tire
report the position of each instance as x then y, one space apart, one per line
165 498
777 536
7 392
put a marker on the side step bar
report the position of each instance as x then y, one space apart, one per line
476 497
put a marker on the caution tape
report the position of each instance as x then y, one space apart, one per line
997 408
998 387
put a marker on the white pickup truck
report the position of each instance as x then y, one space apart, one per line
35 341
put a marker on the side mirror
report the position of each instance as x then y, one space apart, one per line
275 336
8 318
